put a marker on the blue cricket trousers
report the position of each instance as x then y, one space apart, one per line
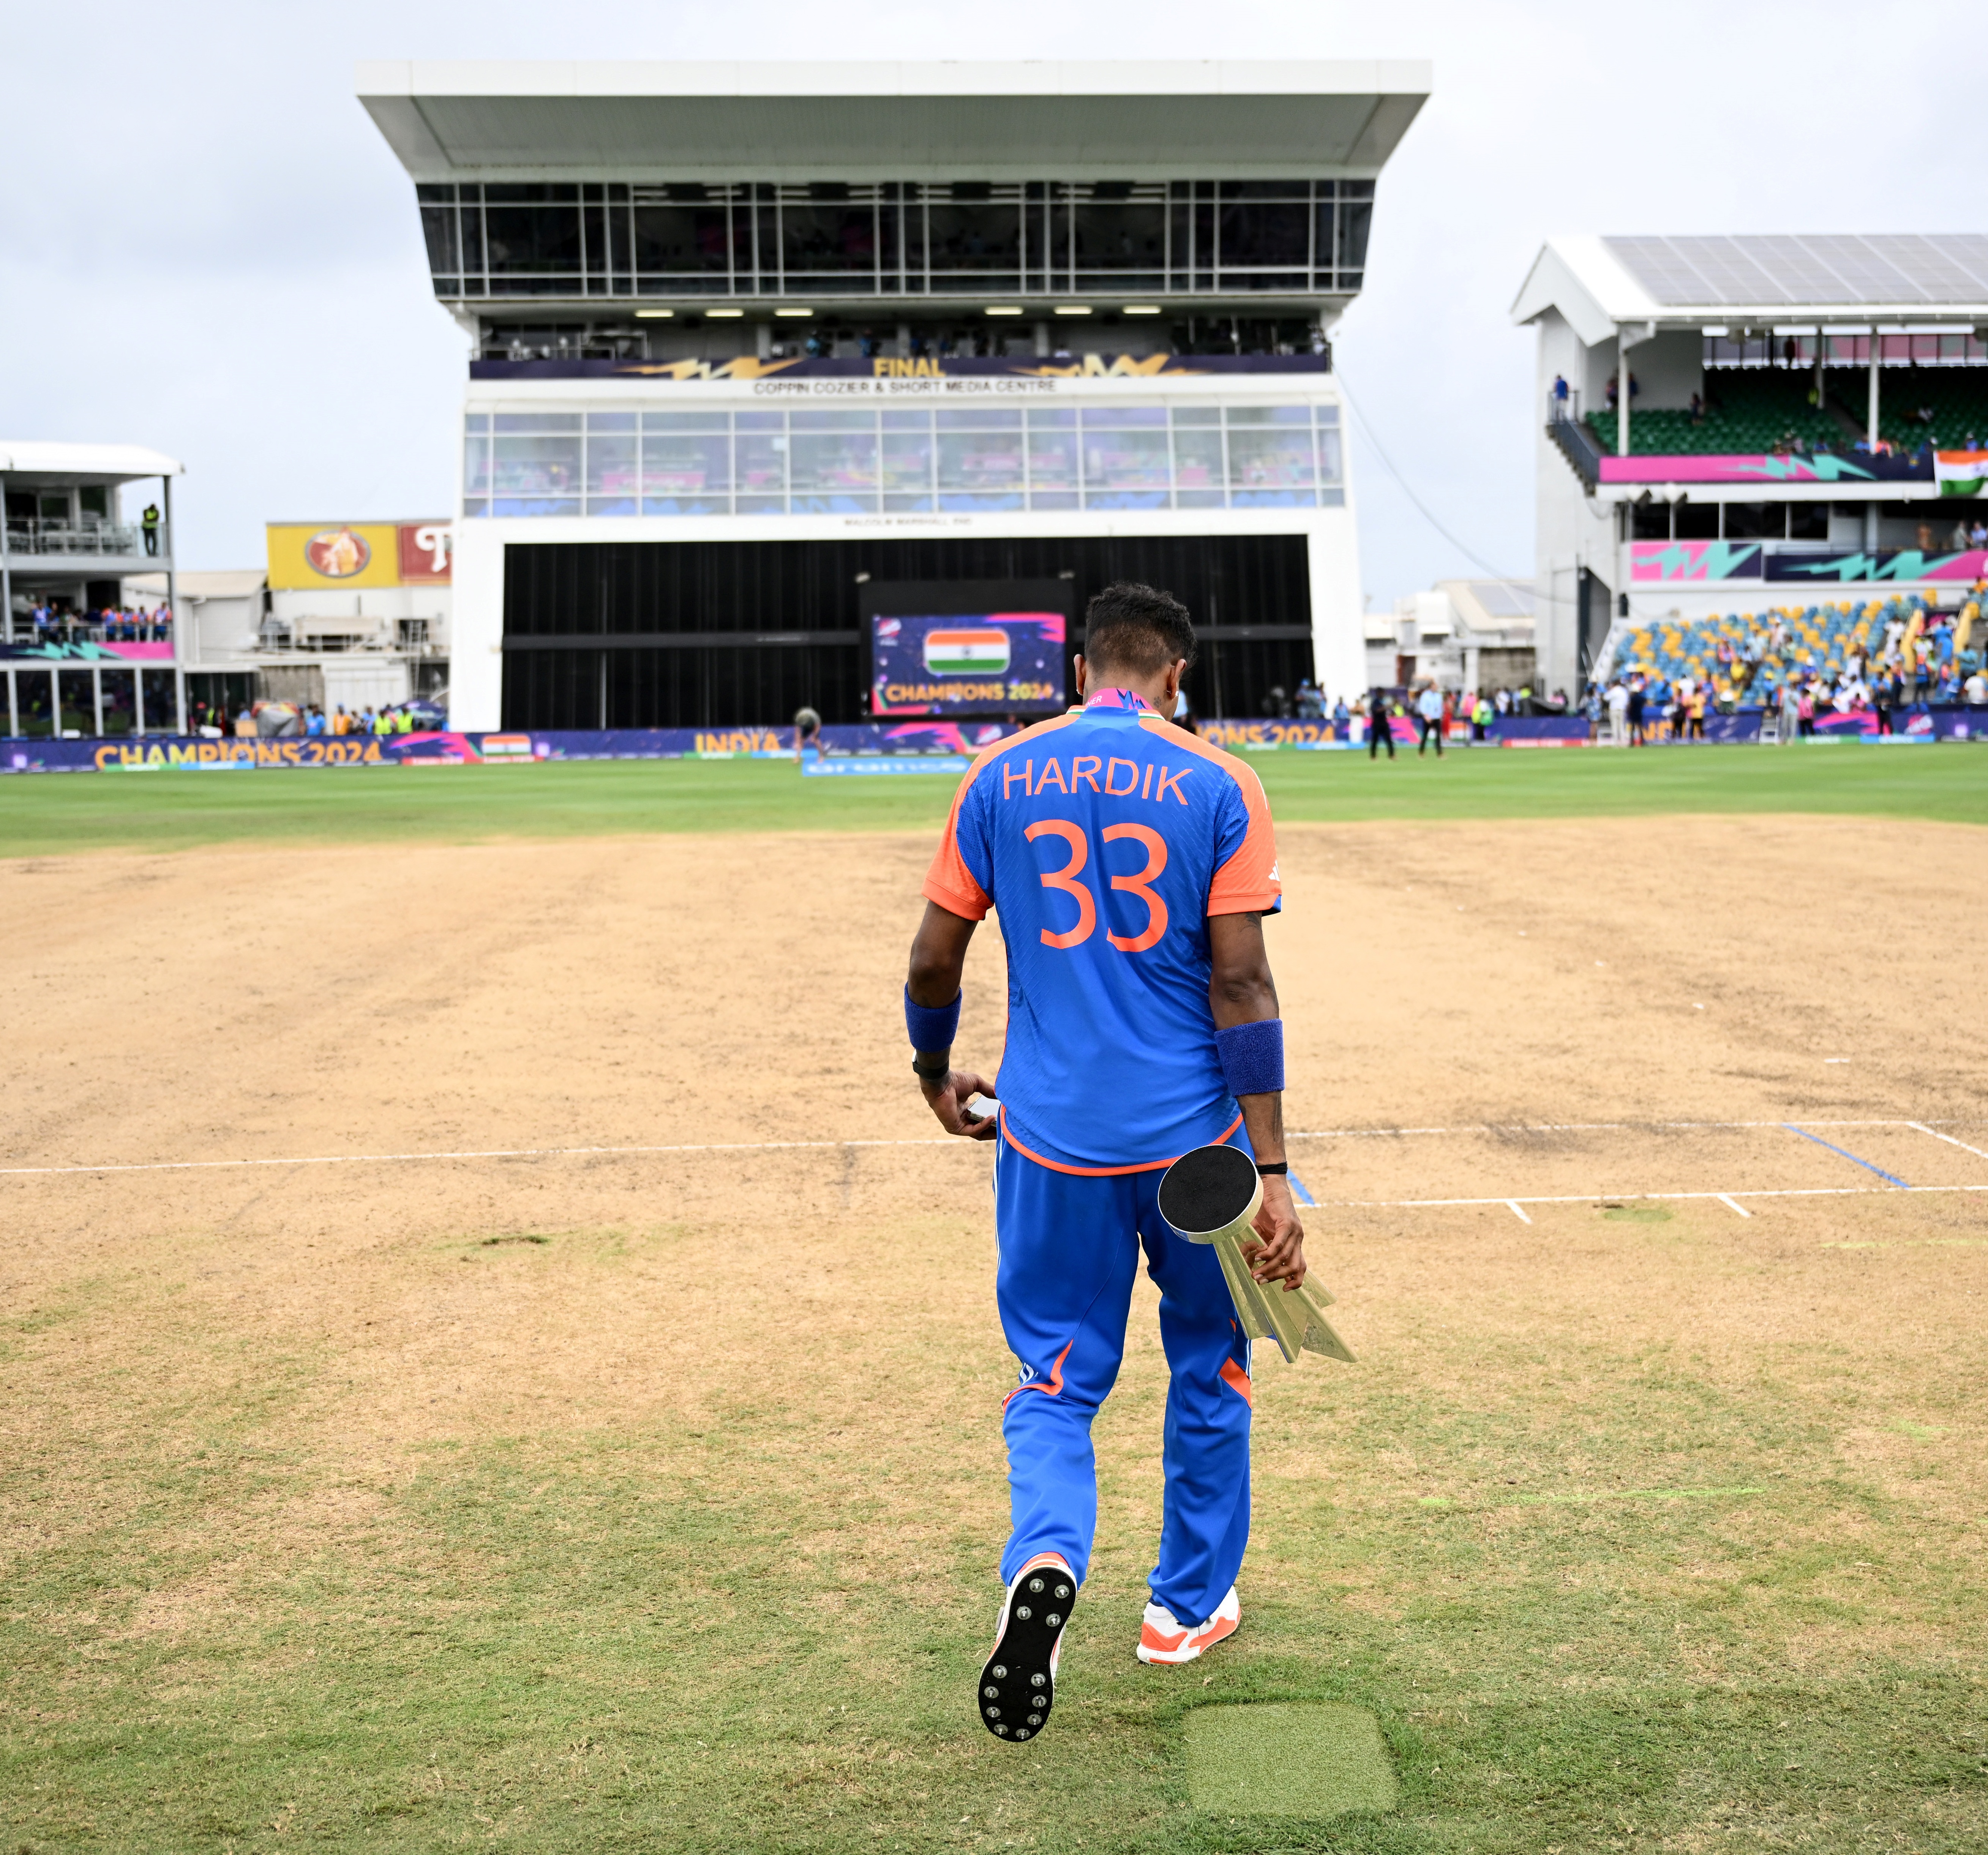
1068 1250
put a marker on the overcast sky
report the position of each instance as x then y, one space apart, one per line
210 250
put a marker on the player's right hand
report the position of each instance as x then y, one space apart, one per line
948 1100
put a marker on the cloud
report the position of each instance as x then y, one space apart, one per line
212 251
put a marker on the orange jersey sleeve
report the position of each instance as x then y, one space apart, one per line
949 882
1247 882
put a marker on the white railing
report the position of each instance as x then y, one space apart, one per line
127 539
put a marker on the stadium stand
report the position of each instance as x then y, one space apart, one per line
1746 411
1957 398
1742 656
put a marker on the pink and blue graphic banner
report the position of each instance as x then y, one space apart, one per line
1682 563
1011 663
1828 466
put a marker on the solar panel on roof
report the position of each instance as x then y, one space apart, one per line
1788 269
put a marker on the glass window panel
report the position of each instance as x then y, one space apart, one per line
908 460
821 238
761 421
714 420
1051 456
1354 221
1121 235
686 465
761 506
475 505
682 241
611 466
610 422
1057 418
803 421
964 420
1349 280
1096 418
1197 415
1329 471
1326 416
1259 460
531 230
537 421
476 421
1198 463
120 709
979 461
534 469
908 504
839 461
974 236
920 420
761 463
1269 415
1053 498
475 465
1124 459
438 230
1262 234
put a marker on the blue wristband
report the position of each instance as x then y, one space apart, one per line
932 1027
1253 1056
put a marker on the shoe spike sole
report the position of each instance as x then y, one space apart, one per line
1017 1687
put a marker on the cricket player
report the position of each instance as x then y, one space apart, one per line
1132 866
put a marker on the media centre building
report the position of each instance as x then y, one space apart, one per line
770 360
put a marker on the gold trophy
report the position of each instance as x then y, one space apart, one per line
1212 1195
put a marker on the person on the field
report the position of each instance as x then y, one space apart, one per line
1428 713
1132 866
1380 728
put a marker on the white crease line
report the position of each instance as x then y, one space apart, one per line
364 1159
793 1146
1595 1198
1601 1127
1518 1211
1726 1198
1921 1127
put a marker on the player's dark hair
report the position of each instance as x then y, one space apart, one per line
1133 627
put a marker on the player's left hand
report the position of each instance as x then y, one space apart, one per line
1279 1256
948 1100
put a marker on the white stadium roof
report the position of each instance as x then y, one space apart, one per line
1599 283
85 463
856 120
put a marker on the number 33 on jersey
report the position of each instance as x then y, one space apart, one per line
1103 840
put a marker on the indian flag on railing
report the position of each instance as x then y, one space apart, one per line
1960 473
979 651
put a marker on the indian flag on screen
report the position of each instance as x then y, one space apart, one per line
974 650
1960 473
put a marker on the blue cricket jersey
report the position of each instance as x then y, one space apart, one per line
1104 839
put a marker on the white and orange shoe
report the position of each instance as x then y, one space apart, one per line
1018 1685
1163 1639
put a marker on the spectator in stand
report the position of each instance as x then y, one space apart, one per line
1975 688
1503 702
1560 391
245 724
1342 718
1378 729
1697 410
1480 718
1428 713
1639 700
149 524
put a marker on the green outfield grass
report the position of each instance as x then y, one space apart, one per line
171 811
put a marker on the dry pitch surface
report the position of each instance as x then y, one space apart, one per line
626 1500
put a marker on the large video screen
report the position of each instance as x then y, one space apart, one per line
1005 656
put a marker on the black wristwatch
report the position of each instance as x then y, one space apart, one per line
1275 1169
938 1075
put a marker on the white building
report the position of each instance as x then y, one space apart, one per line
1744 475
1461 634
751 339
